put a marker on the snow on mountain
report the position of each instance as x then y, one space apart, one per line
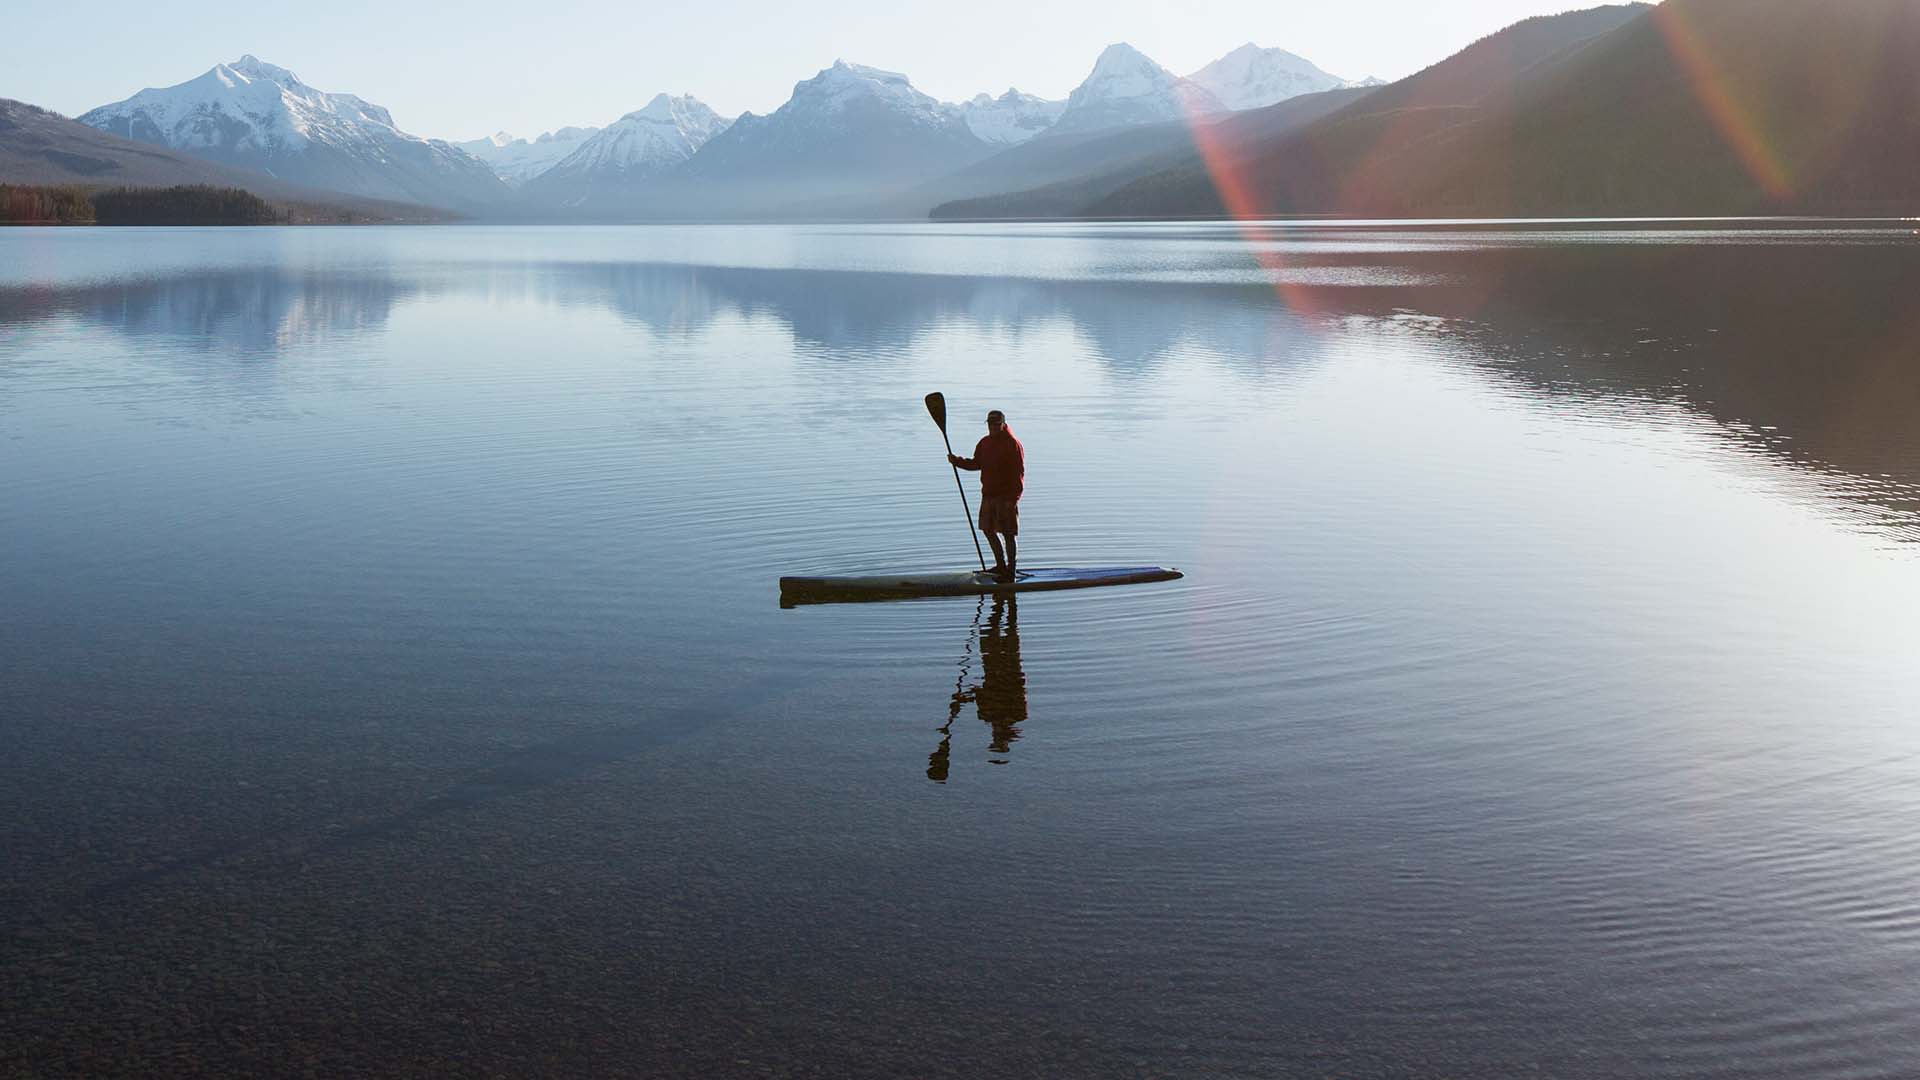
837 88
846 97
1125 87
855 123
519 160
646 141
1250 77
850 139
611 168
1011 118
255 115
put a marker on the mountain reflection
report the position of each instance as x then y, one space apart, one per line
242 311
1803 349
846 314
998 693
1131 327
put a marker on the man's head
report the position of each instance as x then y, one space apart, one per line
995 421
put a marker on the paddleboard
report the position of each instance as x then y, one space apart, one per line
832 590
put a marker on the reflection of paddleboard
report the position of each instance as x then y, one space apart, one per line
829 590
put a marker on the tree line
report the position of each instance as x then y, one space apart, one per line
186 204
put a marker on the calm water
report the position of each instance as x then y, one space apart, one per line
392 677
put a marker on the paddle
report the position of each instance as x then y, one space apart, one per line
937 408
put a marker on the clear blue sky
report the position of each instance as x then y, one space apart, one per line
463 70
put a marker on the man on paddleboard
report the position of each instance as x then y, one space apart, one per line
1002 465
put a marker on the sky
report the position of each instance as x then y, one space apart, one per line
462 71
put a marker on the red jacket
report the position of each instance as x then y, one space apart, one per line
1002 464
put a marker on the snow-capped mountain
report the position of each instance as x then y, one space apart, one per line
848 132
1250 77
663 134
1125 87
254 115
847 116
519 160
633 149
1011 118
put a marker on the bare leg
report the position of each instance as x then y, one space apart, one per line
1011 549
999 559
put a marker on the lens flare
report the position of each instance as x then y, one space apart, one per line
1737 121
1233 179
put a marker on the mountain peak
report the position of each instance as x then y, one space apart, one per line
836 88
849 131
660 108
1128 87
844 71
686 112
1250 77
613 164
1121 57
255 68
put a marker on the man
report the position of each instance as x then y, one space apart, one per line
1002 465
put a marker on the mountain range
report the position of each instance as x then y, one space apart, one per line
851 140
1694 106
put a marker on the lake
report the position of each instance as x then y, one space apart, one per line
393 678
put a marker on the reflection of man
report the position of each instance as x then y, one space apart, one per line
1001 697
1002 464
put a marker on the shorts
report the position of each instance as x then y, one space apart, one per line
999 514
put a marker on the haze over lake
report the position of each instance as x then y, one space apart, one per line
392 674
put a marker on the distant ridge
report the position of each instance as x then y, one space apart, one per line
1069 174
1697 107
1313 134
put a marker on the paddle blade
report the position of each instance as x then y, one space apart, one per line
937 408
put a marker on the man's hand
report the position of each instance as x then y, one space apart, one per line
953 459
